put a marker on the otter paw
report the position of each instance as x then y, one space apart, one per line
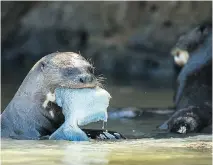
184 125
181 125
103 134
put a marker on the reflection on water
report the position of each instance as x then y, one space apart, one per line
139 96
128 152
151 150
145 126
154 149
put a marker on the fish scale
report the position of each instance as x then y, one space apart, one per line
80 107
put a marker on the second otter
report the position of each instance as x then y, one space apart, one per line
193 97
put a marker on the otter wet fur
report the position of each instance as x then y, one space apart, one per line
27 116
188 43
193 97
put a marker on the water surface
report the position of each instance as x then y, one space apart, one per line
144 146
129 152
148 148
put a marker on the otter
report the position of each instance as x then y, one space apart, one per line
30 115
185 46
187 43
193 96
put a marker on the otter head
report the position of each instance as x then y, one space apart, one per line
56 70
69 70
189 42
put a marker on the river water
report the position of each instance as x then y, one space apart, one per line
144 146
194 150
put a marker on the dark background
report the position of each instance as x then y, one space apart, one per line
128 42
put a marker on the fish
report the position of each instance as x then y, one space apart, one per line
80 107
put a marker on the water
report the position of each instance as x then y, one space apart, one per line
144 146
152 148
129 152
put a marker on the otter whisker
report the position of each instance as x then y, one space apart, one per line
90 61
101 77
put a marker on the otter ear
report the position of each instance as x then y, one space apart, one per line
43 65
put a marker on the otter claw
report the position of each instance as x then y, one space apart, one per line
103 134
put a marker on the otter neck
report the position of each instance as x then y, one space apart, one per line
33 87
27 100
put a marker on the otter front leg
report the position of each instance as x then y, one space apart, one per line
184 121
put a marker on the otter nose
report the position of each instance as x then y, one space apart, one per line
86 79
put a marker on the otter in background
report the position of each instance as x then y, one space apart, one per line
186 45
193 97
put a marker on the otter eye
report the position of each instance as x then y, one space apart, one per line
43 64
70 71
